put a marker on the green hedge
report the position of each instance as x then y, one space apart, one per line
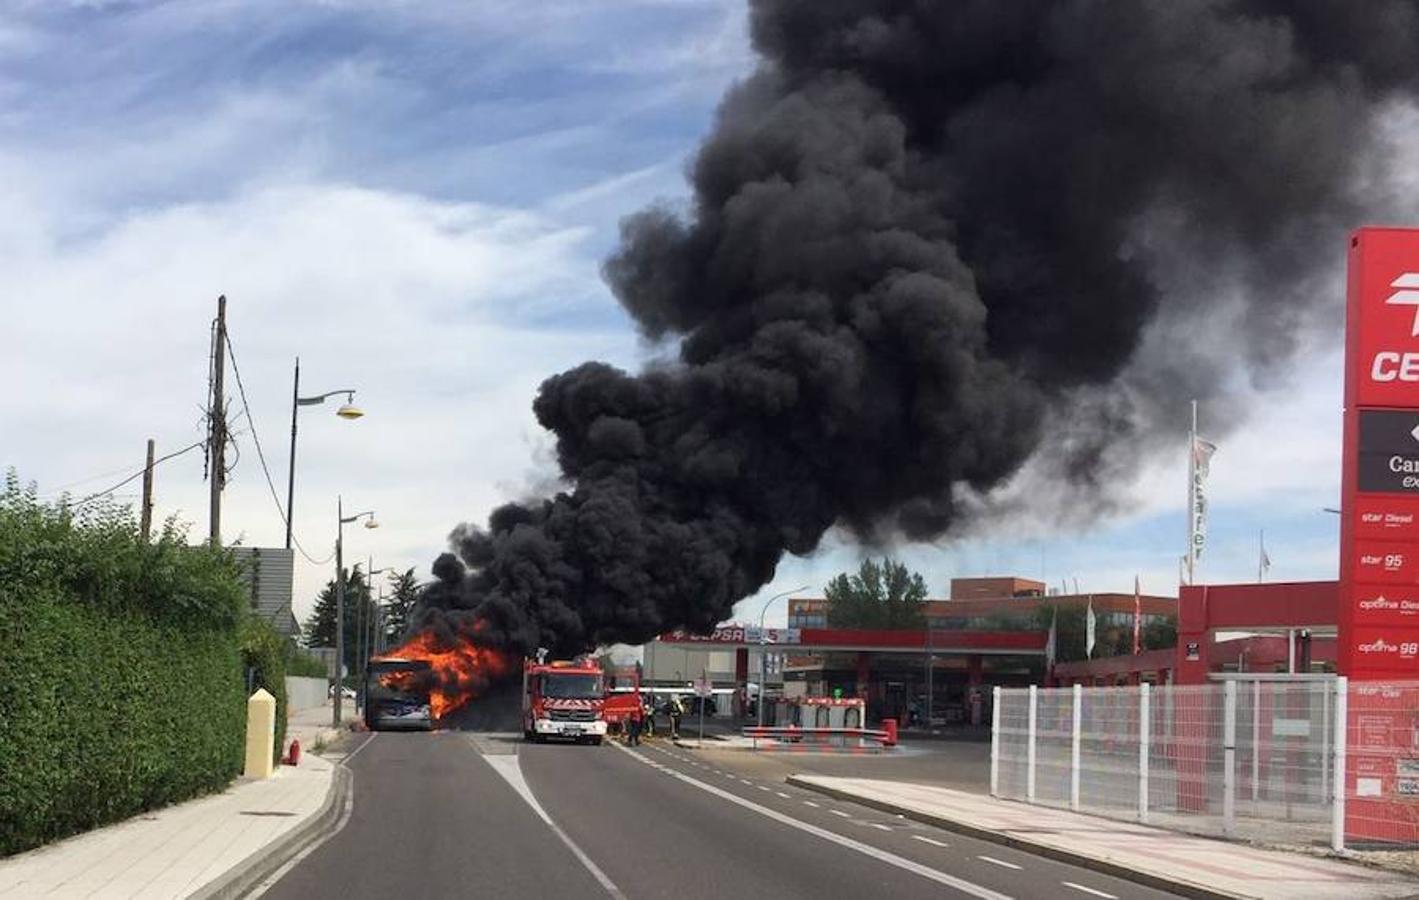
302 665
121 678
263 651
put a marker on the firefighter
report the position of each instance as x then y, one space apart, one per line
633 726
677 709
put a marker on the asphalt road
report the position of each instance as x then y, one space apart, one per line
451 814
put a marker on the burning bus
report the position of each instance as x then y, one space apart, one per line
397 694
563 699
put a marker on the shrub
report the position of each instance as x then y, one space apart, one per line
263 651
121 683
302 664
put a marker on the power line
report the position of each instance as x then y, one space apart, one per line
261 455
137 474
55 491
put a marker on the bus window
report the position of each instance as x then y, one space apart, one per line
397 694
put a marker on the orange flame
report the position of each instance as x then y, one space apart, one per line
459 673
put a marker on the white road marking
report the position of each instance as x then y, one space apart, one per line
932 841
511 772
353 753
812 804
878 825
1000 862
1088 890
838 812
746 781
762 787
891 859
315 845
783 795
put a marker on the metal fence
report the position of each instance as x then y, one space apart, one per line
1252 757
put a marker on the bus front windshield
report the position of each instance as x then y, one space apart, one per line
399 680
570 686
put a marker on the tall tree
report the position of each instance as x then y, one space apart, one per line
398 606
881 595
319 630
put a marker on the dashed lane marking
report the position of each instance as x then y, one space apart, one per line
761 787
884 856
838 812
1088 890
783 795
878 825
1000 862
932 841
812 804
746 781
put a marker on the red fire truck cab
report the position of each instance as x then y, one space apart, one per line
563 699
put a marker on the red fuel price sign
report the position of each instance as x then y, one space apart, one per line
1378 639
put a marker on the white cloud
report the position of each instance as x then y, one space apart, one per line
428 309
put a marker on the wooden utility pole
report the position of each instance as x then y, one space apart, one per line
146 522
217 436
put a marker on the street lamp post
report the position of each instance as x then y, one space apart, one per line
347 410
363 621
341 521
763 645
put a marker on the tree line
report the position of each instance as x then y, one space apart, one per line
361 612
887 595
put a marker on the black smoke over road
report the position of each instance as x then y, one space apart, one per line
923 235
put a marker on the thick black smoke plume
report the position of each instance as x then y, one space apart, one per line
923 233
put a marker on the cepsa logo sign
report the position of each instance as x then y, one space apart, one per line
1387 366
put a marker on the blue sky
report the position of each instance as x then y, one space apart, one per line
415 198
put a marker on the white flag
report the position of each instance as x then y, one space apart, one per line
1089 629
1051 643
1201 462
1263 563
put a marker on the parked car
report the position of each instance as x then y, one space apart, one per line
347 692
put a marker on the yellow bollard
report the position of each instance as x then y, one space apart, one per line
260 734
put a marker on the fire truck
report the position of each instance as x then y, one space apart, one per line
563 699
623 697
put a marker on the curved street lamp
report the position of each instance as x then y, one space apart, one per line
364 624
348 411
341 521
763 645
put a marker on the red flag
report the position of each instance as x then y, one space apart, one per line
1137 616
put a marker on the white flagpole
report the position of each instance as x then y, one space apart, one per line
1191 557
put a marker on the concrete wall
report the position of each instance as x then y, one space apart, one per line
305 693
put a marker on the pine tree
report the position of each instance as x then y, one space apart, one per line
400 606
319 630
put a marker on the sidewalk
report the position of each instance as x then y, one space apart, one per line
1194 866
312 726
207 847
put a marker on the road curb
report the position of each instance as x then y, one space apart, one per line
1093 863
251 871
